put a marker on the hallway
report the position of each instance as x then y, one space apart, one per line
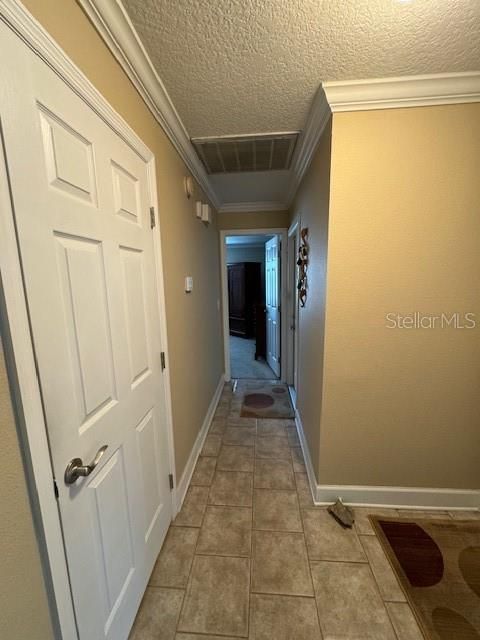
250 556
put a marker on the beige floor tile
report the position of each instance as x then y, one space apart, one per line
427 515
218 426
280 564
297 460
158 615
272 447
194 636
283 618
273 474
327 540
217 600
465 515
226 531
276 510
236 458
222 410
272 428
235 407
293 439
244 436
193 508
382 570
212 445
241 422
232 488
175 559
362 522
348 602
303 490
204 472
403 621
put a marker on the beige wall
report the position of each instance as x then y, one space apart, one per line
312 206
254 220
23 602
402 407
189 247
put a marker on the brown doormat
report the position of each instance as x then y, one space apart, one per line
438 565
266 400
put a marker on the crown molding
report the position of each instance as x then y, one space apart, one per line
115 27
406 91
377 93
246 207
317 119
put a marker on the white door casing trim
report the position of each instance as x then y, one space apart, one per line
282 233
184 482
388 496
40 474
292 309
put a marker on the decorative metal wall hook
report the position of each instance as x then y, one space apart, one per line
302 263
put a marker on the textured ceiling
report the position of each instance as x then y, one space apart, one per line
252 66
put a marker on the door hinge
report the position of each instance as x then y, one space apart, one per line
152 217
170 480
55 488
162 360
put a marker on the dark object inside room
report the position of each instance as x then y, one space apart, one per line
246 306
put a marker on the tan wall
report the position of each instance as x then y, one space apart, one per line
312 205
254 220
402 407
189 248
23 603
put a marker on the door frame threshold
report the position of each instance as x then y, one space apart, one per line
15 325
275 231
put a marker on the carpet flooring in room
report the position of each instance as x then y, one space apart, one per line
243 363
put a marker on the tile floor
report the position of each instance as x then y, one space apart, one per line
250 556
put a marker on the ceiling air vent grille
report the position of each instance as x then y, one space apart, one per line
235 154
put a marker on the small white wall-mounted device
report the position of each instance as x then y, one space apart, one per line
188 284
206 213
198 209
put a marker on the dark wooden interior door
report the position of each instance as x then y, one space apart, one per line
244 292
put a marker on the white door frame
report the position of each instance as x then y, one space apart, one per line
282 233
292 310
19 351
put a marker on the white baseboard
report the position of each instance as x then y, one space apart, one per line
182 486
395 497
398 497
303 443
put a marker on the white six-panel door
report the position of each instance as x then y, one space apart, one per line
81 202
272 300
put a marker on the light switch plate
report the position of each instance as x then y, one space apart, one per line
198 209
188 284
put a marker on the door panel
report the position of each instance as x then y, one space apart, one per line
272 290
81 202
134 293
110 509
83 287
